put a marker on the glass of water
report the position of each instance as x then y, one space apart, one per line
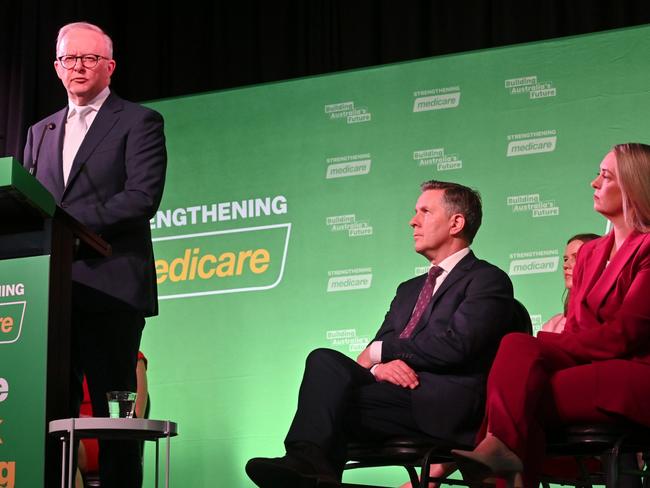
121 404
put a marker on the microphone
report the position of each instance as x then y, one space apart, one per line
32 170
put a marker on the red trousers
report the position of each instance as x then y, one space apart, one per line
533 385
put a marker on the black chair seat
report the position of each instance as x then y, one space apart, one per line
593 439
615 445
408 452
400 451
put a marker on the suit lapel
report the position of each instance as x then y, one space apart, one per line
50 166
597 259
600 285
456 274
105 119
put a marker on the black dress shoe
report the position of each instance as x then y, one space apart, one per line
286 472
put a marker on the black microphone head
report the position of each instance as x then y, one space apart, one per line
50 126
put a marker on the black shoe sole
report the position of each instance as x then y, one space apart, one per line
270 475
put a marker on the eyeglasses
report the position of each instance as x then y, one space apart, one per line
87 60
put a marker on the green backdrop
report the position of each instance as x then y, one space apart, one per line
284 225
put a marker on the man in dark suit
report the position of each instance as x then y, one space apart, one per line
104 161
425 370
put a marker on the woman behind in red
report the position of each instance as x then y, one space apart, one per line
598 369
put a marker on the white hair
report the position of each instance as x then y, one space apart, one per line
84 25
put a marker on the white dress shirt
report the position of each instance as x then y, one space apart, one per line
74 135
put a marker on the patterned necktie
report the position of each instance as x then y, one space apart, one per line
426 293
76 131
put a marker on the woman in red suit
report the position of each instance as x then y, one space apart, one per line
598 369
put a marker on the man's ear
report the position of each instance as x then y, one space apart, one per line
457 224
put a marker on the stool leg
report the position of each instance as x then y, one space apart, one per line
70 456
64 448
167 463
157 466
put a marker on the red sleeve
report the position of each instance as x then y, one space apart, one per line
86 408
141 357
625 334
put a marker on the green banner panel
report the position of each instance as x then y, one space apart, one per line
23 354
284 225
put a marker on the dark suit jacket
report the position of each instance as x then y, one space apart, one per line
608 323
115 186
453 345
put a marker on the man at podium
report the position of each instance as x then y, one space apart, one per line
104 160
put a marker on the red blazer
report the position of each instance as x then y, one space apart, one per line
608 323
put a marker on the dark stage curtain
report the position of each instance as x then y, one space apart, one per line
194 46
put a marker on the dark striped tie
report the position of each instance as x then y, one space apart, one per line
426 293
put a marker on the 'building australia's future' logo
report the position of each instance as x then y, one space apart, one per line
347 337
532 203
349 224
438 157
348 111
530 85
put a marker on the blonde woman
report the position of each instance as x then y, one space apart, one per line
576 376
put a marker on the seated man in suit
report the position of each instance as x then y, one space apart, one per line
425 371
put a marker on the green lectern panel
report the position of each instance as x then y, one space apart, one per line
23 357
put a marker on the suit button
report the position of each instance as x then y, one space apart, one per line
64 205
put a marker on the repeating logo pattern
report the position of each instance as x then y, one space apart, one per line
348 111
531 143
532 203
351 165
349 279
436 99
531 86
346 337
349 223
439 158
534 262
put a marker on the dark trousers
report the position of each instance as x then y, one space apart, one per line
105 343
340 401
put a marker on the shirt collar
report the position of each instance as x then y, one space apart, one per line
95 104
451 261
